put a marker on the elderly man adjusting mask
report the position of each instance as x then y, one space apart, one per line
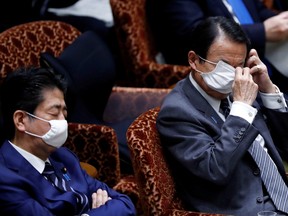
224 126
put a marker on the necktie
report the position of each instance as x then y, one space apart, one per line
271 178
224 107
50 174
241 11
63 185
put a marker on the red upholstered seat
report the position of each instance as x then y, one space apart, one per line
20 46
138 49
156 185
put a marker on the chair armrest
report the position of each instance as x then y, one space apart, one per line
91 170
127 185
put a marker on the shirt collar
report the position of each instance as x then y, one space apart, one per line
215 103
36 162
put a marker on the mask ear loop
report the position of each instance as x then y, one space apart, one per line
207 60
224 64
33 116
32 134
36 117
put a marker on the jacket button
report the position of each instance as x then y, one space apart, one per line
256 172
259 199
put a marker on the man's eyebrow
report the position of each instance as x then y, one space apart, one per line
241 63
57 106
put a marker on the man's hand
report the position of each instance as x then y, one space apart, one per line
259 72
244 89
276 27
100 197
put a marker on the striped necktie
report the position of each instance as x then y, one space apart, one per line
61 184
224 107
271 178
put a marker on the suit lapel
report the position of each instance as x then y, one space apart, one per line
47 194
218 8
200 103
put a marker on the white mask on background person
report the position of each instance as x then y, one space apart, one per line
221 78
57 134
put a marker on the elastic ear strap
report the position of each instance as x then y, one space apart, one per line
32 134
36 117
214 63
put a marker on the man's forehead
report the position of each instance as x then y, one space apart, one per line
227 51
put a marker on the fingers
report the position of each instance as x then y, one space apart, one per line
244 88
100 197
253 59
255 64
241 73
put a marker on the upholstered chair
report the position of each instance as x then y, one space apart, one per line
96 145
129 103
156 185
21 45
138 49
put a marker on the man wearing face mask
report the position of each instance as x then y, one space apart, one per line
219 155
38 176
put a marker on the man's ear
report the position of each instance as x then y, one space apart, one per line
19 119
192 57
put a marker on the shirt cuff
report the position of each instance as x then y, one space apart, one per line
273 100
243 110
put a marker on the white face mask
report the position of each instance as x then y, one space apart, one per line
221 78
57 134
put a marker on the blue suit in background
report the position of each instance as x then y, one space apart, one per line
24 191
172 21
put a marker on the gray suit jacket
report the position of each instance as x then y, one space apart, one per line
213 170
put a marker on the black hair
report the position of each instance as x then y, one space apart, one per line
205 33
22 89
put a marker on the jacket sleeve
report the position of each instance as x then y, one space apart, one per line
278 125
16 196
200 146
119 205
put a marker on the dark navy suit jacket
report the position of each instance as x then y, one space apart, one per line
173 20
209 159
24 191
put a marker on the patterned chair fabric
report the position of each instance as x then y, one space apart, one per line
151 169
138 49
21 45
130 102
96 145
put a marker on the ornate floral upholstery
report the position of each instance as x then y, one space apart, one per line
96 145
127 185
138 50
129 103
151 170
21 45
